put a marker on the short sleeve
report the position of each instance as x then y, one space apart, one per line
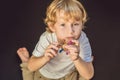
45 39
85 48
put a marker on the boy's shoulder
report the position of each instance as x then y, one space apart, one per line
45 33
48 35
83 37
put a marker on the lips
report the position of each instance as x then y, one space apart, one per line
69 39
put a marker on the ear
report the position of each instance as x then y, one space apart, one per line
51 27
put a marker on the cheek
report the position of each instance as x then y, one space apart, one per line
60 34
60 38
61 31
78 32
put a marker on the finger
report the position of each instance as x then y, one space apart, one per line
55 43
70 47
74 49
49 55
52 46
53 52
76 42
73 53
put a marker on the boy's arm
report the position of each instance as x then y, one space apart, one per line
85 69
36 63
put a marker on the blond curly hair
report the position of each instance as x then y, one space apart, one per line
72 8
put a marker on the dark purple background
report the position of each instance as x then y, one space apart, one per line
22 24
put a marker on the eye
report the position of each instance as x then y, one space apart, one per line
76 24
62 25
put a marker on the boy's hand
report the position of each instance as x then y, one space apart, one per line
73 50
51 50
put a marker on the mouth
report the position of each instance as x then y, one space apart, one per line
67 40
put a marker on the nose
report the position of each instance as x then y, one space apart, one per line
71 29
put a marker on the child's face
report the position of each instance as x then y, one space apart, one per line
66 29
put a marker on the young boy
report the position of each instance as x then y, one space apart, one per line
63 51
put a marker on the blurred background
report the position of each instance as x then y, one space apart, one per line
22 24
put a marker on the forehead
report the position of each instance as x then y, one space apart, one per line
62 15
